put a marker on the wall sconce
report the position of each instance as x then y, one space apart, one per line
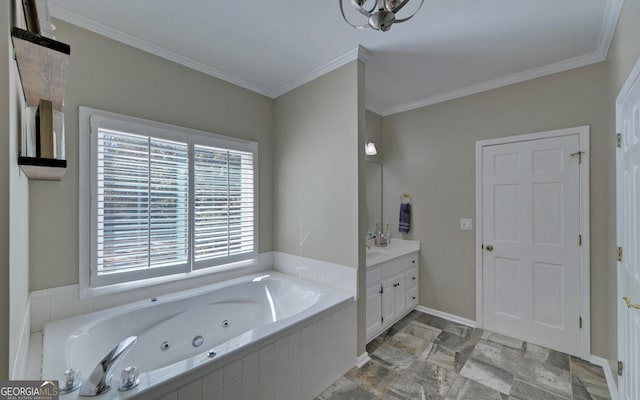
370 149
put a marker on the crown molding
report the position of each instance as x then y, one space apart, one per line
607 29
359 53
364 55
374 109
565 65
94 26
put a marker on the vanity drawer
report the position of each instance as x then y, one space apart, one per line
411 278
393 267
374 274
412 297
411 260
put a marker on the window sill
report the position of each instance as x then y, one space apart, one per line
183 281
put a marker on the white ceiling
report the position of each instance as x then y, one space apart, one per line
451 48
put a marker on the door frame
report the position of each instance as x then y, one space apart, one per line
583 258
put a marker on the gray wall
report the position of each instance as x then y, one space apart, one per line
319 173
430 152
316 171
111 76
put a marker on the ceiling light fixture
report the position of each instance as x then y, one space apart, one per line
384 17
370 149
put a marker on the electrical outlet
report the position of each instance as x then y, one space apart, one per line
466 224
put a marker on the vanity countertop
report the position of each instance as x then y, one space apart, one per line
398 248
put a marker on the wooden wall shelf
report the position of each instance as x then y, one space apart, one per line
43 64
45 169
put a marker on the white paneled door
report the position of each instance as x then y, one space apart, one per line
628 221
531 238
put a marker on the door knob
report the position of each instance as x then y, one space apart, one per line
489 247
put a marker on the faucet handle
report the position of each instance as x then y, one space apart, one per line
70 381
129 378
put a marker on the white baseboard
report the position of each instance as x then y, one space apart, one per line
447 316
362 359
611 382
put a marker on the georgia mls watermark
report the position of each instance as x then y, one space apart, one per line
29 390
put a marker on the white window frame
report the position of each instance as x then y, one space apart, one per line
89 121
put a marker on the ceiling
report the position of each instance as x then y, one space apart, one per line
450 49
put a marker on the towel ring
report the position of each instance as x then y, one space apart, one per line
406 198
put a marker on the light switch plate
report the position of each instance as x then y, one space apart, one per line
466 224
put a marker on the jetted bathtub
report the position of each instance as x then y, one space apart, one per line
180 332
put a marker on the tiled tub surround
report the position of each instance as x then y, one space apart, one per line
63 302
426 357
294 367
260 308
327 274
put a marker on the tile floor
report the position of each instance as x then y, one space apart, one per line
426 357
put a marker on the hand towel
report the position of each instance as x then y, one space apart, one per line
405 218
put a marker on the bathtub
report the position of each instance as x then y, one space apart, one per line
182 334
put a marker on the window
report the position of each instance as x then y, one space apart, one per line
166 200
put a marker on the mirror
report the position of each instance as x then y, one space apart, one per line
373 192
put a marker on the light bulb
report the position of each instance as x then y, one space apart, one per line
370 149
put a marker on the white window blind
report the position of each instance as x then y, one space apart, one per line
224 194
169 202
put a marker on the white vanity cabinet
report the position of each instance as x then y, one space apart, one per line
392 291
411 281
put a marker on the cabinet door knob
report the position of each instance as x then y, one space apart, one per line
414 297
413 261
414 278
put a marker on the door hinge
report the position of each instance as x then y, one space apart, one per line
580 322
382 320
619 253
618 139
579 154
579 240
381 289
620 368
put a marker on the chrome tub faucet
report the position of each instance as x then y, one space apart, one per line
98 381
